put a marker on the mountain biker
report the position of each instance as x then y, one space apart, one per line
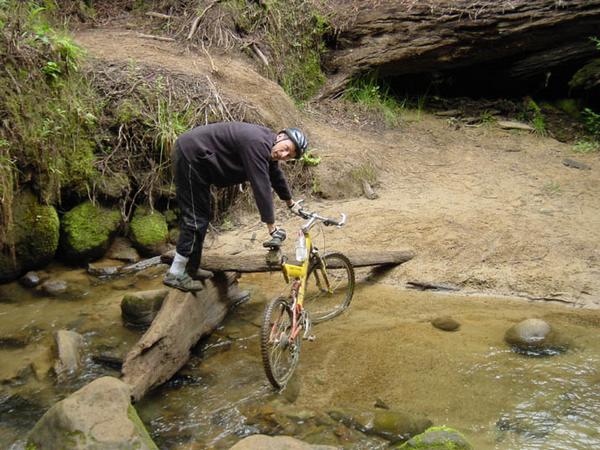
225 154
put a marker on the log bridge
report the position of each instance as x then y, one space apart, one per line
184 318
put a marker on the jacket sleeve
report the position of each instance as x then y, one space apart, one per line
279 182
256 165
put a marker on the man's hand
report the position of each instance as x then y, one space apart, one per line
294 207
277 237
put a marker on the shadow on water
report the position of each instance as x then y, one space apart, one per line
383 351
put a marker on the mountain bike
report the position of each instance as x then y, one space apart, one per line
321 288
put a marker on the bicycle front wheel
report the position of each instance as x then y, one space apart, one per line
280 353
329 287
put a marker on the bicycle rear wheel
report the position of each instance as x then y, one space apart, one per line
323 303
280 354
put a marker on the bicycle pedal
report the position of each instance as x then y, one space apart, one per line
310 338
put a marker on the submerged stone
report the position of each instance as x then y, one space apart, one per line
388 424
445 323
442 438
263 442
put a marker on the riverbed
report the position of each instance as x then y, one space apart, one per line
382 353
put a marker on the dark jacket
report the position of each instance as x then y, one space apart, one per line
230 153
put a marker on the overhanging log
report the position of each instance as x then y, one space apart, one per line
404 37
182 320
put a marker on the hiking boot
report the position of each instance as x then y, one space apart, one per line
274 242
182 282
202 274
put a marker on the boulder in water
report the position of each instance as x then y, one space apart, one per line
98 416
388 424
445 323
68 344
534 337
140 308
54 288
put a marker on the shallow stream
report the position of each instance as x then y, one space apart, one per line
383 351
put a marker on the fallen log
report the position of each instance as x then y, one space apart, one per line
261 262
182 320
500 40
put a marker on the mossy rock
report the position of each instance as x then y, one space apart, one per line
34 235
149 232
438 438
86 232
588 77
113 187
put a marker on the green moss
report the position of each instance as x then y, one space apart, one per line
86 231
33 234
148 230
587 77
440 437
140 428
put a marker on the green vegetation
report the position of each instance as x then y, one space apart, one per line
591 121
49 110
293 30
536 117
372 93
586 146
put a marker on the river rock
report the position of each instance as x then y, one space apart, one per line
445 323
140 308
53 288
388 424
30 280
149 232
86 232
122 249
438 438
534 337
34 237
68 346
263 442
98 416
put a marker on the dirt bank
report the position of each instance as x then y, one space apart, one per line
490 210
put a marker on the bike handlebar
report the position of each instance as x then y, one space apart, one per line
308 215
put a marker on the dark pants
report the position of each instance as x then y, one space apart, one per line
193 197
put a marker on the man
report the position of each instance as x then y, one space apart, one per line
226 154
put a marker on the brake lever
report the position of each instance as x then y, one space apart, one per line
342 222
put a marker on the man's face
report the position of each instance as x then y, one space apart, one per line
283 149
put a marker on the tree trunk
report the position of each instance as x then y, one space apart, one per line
267 262
182 320
517 38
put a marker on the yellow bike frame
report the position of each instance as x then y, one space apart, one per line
299 272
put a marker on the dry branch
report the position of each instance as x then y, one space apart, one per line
156 38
